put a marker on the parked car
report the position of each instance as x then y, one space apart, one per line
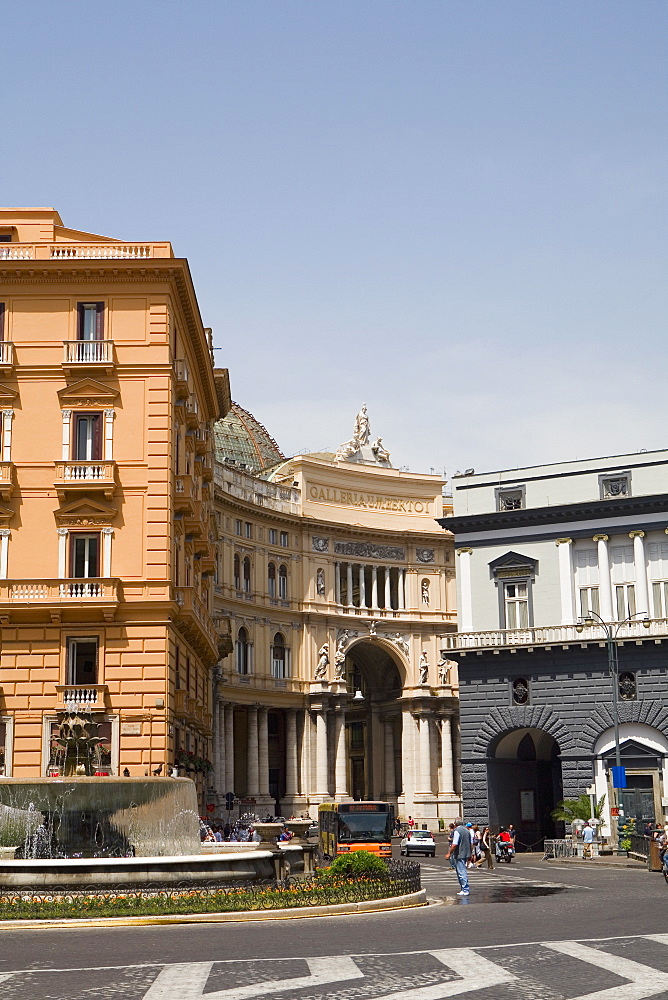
418 842
313 831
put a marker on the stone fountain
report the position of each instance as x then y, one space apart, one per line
79 828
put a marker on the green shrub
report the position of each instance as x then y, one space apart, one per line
357 864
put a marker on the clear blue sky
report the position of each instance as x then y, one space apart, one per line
454 211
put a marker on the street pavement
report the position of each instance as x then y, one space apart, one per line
529 931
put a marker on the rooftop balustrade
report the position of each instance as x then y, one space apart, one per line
107 250
554 635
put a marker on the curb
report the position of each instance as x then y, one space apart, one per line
598 864
366 906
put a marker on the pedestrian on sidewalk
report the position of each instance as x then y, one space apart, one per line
587 842
459 853
486 849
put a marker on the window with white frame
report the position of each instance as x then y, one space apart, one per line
623 580
285 541
283 582
248 529
247 575
657 553
280 658
5 746
271 579
238 526
273 536
243 652
516 603
84 555
586 580
90 321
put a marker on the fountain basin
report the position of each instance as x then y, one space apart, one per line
83 817
79 873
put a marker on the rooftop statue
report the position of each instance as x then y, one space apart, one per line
360 448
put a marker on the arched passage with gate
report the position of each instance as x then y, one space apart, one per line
525 784
373 720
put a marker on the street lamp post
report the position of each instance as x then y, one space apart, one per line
612 630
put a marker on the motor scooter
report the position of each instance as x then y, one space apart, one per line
505 851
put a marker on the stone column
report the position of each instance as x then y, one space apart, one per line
390 780
263 752
642 591
374 587
322 770
291 765
447 768
7 417
466 599
337 582
252 779
5 535
349 584
604 584
402 590
566 580
229 749
388 592
219 745
408 755
340 766
424 763
362 586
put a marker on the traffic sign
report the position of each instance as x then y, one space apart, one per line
229 800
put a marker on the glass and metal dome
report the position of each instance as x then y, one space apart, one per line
241 440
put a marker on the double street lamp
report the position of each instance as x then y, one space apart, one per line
612 630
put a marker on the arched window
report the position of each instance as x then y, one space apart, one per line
243 652
280 658
271 579
237 573
283 582
247 575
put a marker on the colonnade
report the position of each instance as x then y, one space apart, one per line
607 603
409 754
359 585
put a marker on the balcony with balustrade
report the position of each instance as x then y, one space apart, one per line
84 355
181 379
81 697
107 250
6 357
79 599
560 636
192 410
184 495
7 479
194 620
85 477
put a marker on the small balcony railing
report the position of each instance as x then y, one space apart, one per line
75 475
84 251
87 698
90 589
88 352
6 354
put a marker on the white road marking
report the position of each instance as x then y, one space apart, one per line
644 981
476 973
187 982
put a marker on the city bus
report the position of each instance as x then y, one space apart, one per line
355 826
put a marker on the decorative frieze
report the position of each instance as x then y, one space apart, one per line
319 543
368 550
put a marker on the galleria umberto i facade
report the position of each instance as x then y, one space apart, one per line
339 586
272 627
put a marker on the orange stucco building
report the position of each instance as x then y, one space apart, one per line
107 541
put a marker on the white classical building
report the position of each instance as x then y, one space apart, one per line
539 549
339 584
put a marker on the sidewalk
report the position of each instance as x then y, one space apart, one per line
603 861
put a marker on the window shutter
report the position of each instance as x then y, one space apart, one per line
97 436
99 321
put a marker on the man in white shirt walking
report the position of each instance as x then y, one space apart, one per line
459 853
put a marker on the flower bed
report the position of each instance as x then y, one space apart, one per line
147 900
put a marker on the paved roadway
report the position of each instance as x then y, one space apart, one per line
532 931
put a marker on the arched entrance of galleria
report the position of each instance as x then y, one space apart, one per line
524 784
373 722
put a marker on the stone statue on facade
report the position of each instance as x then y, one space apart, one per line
340 657
380 451
423 667
362 431
372 627
444 666
425 591
320 582
399 641
323 662
345 451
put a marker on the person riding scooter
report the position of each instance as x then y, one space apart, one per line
504 846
